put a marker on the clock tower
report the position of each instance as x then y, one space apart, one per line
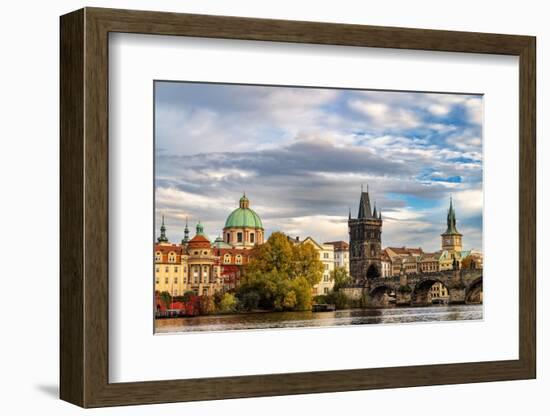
451 239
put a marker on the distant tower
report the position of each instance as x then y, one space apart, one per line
365 242
162 238
451 239
185 233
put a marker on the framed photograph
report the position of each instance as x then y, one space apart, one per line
255 207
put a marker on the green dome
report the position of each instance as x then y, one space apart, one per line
243 217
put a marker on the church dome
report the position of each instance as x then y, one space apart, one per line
243 217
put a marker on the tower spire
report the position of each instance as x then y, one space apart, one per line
162 238
365 210
451 218
186 231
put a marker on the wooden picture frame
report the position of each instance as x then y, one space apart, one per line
84 207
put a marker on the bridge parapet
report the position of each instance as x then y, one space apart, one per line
461 285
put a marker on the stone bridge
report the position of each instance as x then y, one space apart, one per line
463 286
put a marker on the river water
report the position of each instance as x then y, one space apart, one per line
264 320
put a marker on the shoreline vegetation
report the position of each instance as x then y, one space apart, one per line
279 277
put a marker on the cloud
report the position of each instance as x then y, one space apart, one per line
384 116
302 154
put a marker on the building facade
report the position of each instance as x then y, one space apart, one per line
326 255
341 254
386 264
438 292
365 242
193 266
205 267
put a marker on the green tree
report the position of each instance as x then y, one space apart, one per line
306 264
280 274
339 299
166 299
302 289
249 300
228 303
341 278
289 300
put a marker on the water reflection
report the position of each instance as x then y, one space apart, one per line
316 319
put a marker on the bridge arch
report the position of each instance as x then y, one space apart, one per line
380 294
420 295
474 291
373 272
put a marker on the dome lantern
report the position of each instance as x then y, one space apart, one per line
244 202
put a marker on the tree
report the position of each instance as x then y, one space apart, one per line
341 278
166 299
280 274
188 295
306 264
289 300
339 299
207 305
249 300
228 303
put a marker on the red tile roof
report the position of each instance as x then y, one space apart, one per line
199 241
339 245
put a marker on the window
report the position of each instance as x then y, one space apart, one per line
239 237
158 256
157 281
228 237
205 253
226 259
196 253
325 255
326 278
157 270
326 266
238 259
166 280
176 280
176 269
166 269
325 290
251 237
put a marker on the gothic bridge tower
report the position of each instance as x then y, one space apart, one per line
365 242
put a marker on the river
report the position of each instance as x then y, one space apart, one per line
265 320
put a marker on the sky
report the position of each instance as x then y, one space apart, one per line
302 154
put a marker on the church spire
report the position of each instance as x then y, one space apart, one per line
451 218
162 238
186 232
